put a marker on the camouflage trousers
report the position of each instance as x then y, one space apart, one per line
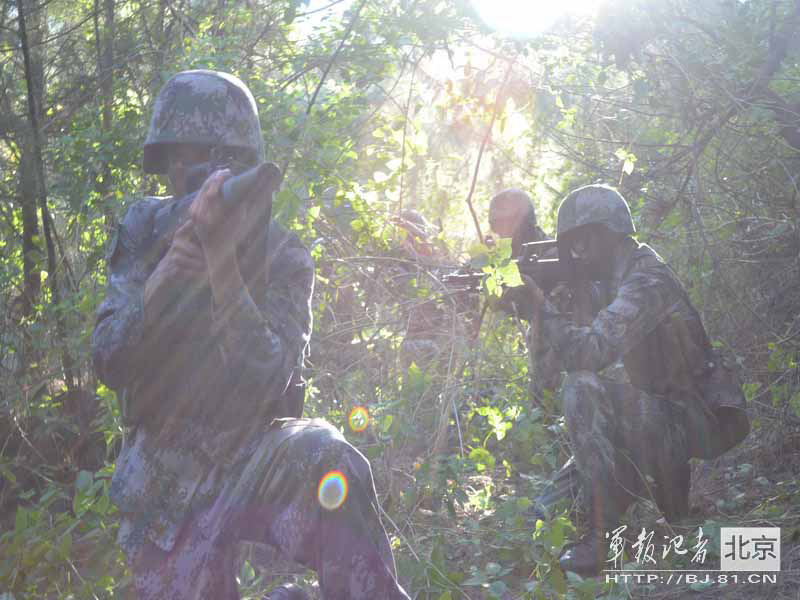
627 445
275 500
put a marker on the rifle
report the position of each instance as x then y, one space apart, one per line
565 485
546 272
247 184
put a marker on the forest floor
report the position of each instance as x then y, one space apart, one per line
755 485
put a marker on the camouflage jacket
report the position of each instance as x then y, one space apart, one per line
198 383
652 325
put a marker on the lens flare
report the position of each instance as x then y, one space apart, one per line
358 419
332 490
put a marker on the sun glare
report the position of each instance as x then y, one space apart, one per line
528 18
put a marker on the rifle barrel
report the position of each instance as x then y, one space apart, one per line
535 250
542 244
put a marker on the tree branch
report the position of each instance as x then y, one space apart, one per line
497 102
335 54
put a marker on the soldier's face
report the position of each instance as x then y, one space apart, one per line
594 246
179 158
504 219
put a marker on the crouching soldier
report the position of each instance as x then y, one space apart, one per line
633 440
201 334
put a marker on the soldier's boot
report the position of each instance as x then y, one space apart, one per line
587 556
288 591
606 505
673 501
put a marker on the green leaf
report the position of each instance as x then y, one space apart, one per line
65 546
493 288
510 275
557 535
478 249
286 203
503 249
478 578
6 472
83 480
480 262
102 505
21 520
627 166
437 556
628 160
557 580
794 403
498 589
247 572
386 423
482 459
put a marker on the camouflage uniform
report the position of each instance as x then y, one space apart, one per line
213 454
634 440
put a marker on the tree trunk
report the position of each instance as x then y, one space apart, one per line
34 81
105 76
31 252
28 196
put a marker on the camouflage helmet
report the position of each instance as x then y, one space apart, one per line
595 205
413 222
208 108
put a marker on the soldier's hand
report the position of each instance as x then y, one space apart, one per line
561 297
504 303
534 292
548 368
182 269
185 257
218 227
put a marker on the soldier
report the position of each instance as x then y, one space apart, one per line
512 214
428 323
202 341
634 440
